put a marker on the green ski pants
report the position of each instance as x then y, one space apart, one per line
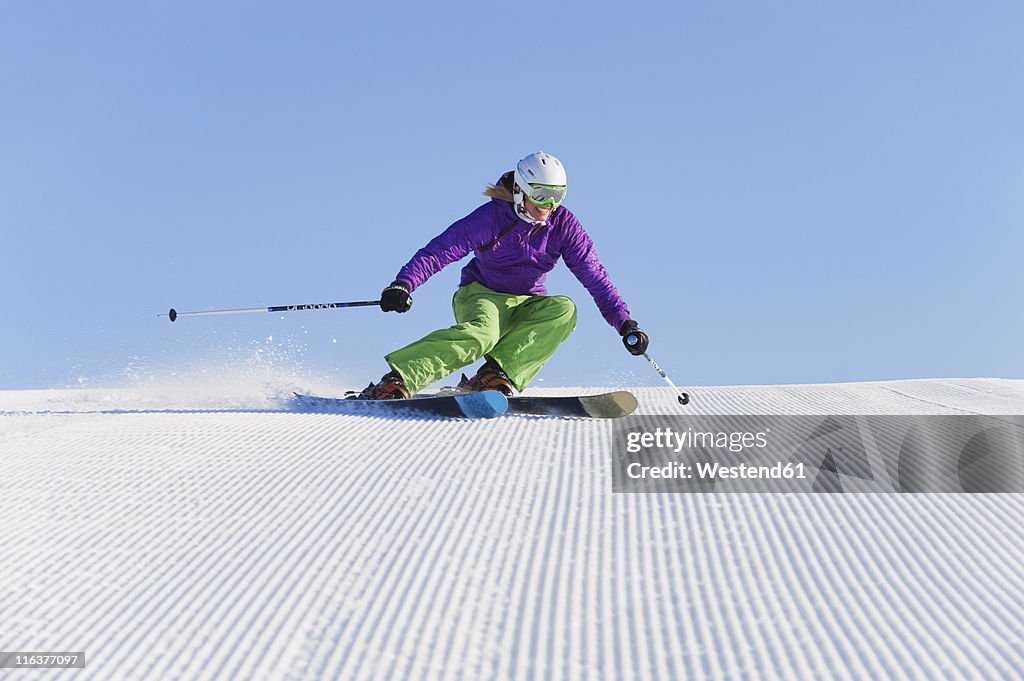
520 333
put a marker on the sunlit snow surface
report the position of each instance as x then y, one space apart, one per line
200 528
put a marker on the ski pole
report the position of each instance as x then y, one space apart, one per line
683 398
174 314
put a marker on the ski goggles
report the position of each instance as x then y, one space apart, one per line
547 194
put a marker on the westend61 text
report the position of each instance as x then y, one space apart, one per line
676 441
716 471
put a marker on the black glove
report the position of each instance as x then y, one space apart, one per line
633 337
396 298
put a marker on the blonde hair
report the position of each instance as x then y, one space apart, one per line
497 191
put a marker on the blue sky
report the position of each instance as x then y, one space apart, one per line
784 193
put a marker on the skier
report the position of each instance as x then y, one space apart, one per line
502 310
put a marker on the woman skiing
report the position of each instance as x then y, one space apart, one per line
502 310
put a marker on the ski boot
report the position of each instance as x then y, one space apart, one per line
390 387
489 377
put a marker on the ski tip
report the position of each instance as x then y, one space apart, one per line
483 405
611 405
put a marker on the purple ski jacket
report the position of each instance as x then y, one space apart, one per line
513 256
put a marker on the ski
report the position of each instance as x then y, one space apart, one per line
611 405
481 405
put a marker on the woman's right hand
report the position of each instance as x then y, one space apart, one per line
396 298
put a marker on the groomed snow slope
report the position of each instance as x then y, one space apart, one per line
175 535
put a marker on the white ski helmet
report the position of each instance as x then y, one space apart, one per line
541 177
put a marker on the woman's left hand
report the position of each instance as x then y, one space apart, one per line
633 337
